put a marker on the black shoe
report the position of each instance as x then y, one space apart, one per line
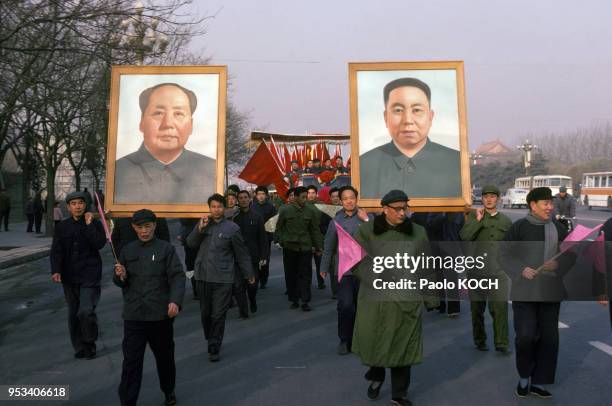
503 350
253 307
80 354
321 286
401 402
294 305
539 392
214 357
522 392
482 347
343 348
85 354
243 317
334 297
374 390
306 307
170 399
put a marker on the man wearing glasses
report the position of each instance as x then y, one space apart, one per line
387 330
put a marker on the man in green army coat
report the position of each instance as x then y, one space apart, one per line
388 325
297 231
410 161
486 226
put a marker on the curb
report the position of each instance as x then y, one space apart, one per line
7 263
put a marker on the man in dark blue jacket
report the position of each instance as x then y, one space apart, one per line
76 263
262 206
252 228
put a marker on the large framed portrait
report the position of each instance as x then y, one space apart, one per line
166 140
409 132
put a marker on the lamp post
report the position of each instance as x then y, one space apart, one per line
474 158
527 149
139 33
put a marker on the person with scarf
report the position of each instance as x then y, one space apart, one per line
531 259
388 323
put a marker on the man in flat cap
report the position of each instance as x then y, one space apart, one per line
150 274
162 170
388 327
222 258
77 265
530 259
410 161
484 228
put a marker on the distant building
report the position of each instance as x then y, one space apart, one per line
496 151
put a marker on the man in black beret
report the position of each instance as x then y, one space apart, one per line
530 259
150 274
410 161
77 265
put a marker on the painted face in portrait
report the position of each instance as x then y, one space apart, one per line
166 123
408 118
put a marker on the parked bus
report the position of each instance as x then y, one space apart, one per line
597 189
551 181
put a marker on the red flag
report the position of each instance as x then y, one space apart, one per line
349 251
338 151
324 152
287 158
299 152
263 170
578 234
308 154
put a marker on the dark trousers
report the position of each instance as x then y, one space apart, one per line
160 337
4 215
537 340
82 319
38 221
239 292
400 379
215 299
317 261
347 307
251 289
298 274
30 222
264 271
190 257
451 295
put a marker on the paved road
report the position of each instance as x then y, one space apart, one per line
281 356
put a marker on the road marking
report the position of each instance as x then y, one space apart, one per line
601 346
298 367
563 325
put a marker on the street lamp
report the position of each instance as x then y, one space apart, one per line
474 157
526 149
140 34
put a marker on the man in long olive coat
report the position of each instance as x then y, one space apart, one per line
388 326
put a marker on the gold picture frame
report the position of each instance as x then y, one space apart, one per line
209 85
367 79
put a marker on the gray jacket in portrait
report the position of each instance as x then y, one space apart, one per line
140 178
433 172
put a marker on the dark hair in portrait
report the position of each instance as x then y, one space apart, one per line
145 95
406 82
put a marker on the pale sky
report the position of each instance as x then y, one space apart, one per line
531 67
